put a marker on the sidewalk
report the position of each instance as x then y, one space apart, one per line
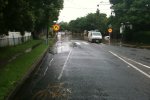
137 46
142 46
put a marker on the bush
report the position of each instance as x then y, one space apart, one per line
141 37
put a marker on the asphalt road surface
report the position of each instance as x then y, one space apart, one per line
79 70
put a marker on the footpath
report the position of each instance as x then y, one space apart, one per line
137 46
141 46
132 45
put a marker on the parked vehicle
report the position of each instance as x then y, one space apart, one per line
94 36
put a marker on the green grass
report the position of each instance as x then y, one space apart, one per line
15 70
7 52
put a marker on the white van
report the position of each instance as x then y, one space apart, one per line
94 36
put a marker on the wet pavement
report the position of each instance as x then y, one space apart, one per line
79 70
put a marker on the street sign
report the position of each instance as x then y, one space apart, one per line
56 27
110 30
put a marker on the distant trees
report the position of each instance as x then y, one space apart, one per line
63 26
90 22
28 15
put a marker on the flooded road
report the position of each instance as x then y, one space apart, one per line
79 70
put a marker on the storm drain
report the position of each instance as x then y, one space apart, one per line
53 92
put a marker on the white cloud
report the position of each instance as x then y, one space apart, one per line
79 8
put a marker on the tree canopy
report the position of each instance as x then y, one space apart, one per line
90 22
28 15
135 12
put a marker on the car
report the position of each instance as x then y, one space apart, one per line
94 36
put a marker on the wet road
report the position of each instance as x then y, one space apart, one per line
79 70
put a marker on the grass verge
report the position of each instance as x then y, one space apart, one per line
7 52
15 70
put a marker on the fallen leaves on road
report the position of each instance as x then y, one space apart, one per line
53 92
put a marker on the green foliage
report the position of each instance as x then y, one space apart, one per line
63 26
90 22
134 11
142 37
28 15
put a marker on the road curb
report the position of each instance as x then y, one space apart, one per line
136 46
130 45
26 76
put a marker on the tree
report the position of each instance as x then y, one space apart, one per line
92 21
134 11
3 4
63 26
28 15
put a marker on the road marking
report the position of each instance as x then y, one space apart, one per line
137 62
131 65
85 43
45 71
60 75
78 43
47 67
51 61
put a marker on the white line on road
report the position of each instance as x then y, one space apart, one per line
47 67
85 43
78 43
131 65
45 71
51 62
136 62
60 75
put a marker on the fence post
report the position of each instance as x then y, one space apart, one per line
13 39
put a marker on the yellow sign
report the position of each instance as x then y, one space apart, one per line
110 30
56 27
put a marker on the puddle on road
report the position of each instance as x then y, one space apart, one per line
55 91
61 47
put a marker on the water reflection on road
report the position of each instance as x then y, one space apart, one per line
61 47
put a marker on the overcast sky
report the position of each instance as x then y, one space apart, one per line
80 8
